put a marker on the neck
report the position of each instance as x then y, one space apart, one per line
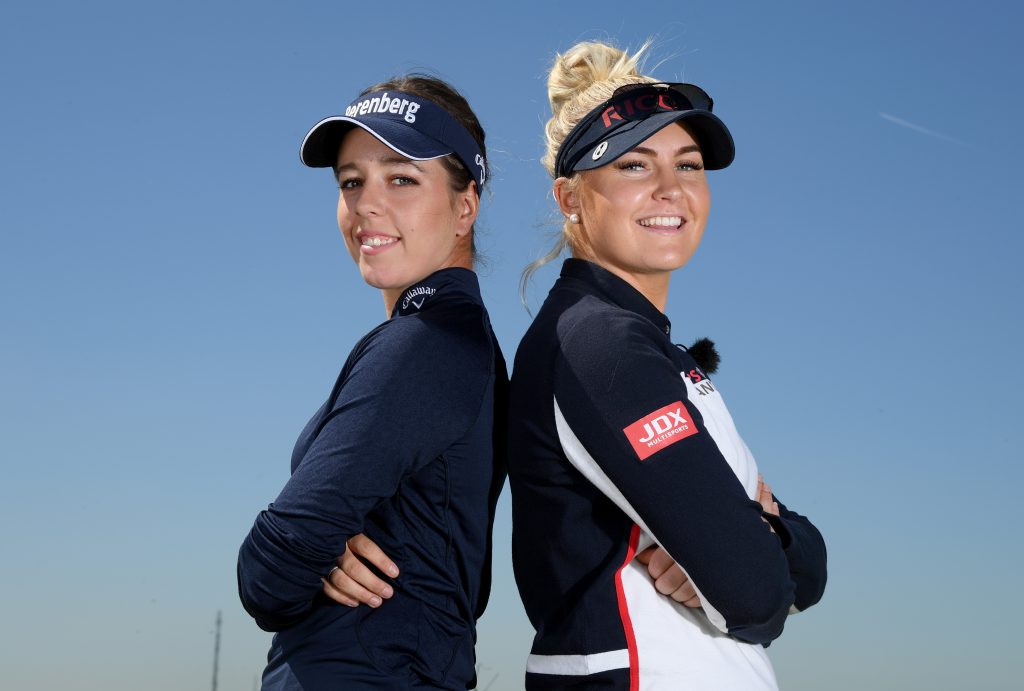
391 296
653 286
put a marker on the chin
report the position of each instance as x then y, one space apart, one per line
663 266
674 260
374 279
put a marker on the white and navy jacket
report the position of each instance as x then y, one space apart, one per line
408 449
618 440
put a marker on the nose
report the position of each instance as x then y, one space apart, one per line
368 199
668 184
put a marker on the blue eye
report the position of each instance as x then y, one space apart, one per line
630 165
349 183
691 165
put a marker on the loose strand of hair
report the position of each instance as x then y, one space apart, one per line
524 280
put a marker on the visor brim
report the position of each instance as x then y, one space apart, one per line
320 146
713 137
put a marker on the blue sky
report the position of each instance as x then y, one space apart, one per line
175 302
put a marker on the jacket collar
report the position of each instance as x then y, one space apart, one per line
613 289
435 288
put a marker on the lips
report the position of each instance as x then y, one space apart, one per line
661 222
377 241
374 241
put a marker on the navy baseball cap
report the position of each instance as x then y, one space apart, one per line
634 113
411 125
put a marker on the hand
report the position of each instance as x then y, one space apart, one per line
669 578
764 496
767 501
351 582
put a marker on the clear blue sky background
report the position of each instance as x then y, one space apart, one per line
175 301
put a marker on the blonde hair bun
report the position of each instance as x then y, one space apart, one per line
581 78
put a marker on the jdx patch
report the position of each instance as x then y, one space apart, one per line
660 429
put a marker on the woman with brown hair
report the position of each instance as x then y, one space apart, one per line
403 450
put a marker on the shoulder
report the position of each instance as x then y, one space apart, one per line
460 326
609 348
597 331
411 362
438 341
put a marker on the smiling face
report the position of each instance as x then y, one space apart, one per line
642 216
400 218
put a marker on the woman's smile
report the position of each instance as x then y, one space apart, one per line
643 215
399 217
662 223
372 243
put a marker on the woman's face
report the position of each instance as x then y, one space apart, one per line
643 214
400 219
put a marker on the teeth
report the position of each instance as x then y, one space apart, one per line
377 241
672 221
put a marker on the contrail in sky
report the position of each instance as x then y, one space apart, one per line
918 128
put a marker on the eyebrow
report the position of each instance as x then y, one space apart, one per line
691 148
389 159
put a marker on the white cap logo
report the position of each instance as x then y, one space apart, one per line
599 151
483 169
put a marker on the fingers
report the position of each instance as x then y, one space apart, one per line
675 584
645 556
368 550
669 577
672 581
334 593
659 563
361 578
765 498
352 582
343 589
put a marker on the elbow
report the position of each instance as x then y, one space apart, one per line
808 568
810 587
272 604
270 613
264 619
257 607
760 614
280 567
253 598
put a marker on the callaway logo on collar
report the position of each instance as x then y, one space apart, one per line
417 296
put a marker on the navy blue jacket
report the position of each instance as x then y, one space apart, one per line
403 450
618 440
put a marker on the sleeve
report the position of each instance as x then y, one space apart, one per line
805 554
410 394
625 421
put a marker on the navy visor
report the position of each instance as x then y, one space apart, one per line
412 126
634 113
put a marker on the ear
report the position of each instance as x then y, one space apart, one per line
467 204
568 199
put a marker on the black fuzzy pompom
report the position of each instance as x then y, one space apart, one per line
703 351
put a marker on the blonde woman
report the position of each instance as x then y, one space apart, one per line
647 550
